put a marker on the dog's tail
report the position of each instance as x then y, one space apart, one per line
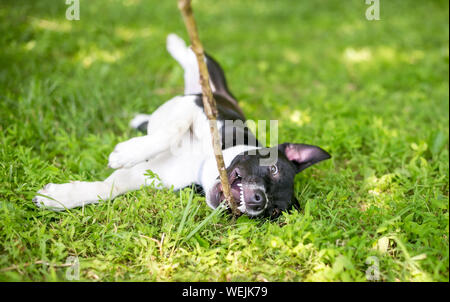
187 59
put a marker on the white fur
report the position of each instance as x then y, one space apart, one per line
166 128
178 122
139 119
75 194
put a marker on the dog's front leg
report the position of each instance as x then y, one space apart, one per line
131 152
139 149
79 193
166 127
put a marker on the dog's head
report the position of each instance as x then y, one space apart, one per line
263 190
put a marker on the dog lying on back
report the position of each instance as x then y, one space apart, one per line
177 148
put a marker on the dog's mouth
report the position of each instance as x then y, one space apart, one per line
242 193
235 181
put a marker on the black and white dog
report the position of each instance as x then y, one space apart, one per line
260 190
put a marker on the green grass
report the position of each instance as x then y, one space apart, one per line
374 94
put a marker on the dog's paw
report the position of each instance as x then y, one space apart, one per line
128 154
54 197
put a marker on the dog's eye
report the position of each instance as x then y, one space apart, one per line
274 170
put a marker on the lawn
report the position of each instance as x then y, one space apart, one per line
372 93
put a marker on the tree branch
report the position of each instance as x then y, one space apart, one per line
209 104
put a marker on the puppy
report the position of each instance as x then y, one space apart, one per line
177 148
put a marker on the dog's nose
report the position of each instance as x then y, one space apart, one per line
257 200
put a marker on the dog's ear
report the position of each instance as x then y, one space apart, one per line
303 156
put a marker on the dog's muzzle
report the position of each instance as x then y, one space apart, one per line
250 197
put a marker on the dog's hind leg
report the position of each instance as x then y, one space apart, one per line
166 127
186 58
79 193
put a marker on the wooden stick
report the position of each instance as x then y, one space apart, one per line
209 103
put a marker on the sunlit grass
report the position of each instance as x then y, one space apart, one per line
374 94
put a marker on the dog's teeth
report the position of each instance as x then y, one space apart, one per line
242 194
239 185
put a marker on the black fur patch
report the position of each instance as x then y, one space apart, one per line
143 127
